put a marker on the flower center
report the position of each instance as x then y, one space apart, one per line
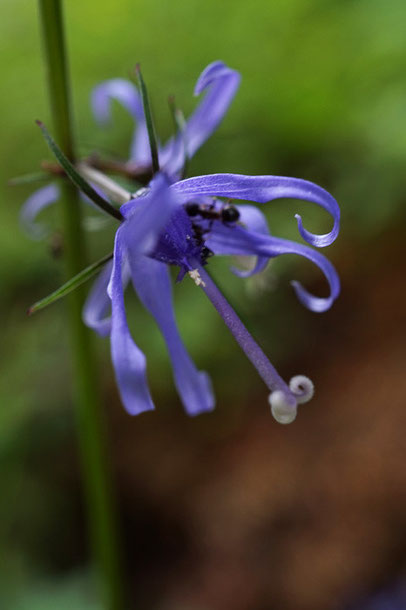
180 242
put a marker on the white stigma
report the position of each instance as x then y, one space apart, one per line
283 409
195 275
302 387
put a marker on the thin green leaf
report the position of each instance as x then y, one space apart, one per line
29 178
148 119
76 178
70 285
180 127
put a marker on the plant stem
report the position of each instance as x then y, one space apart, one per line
91 428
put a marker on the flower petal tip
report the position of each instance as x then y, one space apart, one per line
283 407
203 400
134 410
312 303
37 202
319 241
207 75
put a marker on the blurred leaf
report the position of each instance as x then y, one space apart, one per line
70 285
76 178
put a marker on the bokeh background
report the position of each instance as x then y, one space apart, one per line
229 511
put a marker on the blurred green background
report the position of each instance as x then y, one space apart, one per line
228 510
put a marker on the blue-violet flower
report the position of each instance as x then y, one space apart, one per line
184 223
220 84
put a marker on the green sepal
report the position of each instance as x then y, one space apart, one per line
76 178
153 144
70 285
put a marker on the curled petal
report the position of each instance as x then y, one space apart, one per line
237 241
262 189
221 83
98 303
151 282
39 200
128 360
126 93
116 89
254 220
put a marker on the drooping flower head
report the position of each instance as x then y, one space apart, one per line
184 223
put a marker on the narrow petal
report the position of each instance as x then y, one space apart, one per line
140 150
254 220
38 201
98 304
262 189
152 284
126 93
128 360
221 83
237 241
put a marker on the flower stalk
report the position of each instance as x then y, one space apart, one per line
250 347
96 474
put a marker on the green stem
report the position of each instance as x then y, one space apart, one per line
91 425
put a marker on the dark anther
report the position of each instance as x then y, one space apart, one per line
192 209
230 214
206 253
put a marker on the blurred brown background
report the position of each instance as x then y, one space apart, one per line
229 510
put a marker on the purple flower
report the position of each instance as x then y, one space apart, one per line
183 224
32 206
220 84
